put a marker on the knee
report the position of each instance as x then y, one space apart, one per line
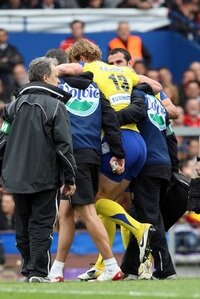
87 214
64 216
99 205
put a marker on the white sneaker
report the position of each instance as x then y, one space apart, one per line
130 277
145 270
38 279
110 275
144 245
90 274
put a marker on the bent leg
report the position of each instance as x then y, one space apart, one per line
110 189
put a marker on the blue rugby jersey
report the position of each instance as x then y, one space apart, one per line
84 110
153 130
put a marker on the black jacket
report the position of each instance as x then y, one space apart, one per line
39 147
135 112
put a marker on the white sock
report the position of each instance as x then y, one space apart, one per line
111 264
57 269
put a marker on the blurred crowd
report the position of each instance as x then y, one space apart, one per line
7 219
184 14
186 95
141 4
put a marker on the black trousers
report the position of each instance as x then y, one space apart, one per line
35 217
148 192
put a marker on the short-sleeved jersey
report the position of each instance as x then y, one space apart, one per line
116 83
161 96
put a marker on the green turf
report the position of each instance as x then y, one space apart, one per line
178 289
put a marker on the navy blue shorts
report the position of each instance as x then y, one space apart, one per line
135 157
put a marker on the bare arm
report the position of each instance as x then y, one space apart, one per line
71 69
155 85
171 108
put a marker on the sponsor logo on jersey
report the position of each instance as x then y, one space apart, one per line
121 98
156 112
83 101
108 68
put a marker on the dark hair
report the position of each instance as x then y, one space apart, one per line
59 54
77 21
127 55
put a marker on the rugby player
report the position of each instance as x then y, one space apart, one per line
116 83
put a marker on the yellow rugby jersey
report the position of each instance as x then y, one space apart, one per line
116 84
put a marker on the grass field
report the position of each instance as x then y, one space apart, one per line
179 289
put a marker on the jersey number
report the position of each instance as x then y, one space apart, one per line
120 82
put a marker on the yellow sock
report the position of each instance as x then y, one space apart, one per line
110 227
125 234
117 214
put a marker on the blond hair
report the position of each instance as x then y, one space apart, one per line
84 48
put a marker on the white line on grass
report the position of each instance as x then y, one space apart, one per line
102 293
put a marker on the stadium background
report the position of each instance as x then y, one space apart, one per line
35 35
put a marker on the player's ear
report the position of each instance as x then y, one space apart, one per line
82 58
45 78
130 63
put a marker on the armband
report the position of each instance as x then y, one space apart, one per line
5 128
169 130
